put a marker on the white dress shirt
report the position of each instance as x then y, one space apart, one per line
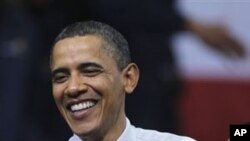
132 133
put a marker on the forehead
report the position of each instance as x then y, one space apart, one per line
77 43
78 49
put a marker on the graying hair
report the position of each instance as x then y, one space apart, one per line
114 41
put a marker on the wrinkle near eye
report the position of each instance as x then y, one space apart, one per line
60 75
60 78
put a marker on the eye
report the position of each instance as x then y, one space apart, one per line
60 78
91 72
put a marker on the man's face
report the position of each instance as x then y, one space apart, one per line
88 87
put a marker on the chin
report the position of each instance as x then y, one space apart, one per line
84 129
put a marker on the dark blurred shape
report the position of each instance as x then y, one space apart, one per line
27 108
16 44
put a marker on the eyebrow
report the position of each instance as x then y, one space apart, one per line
81 66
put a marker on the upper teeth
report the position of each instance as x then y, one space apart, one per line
81 106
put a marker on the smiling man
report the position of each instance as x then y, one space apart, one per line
91 74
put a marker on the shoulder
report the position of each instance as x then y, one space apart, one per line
153 135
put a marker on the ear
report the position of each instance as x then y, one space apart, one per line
130 76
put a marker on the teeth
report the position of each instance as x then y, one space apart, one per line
82 106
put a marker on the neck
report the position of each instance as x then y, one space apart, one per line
112 134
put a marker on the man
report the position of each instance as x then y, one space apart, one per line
91 73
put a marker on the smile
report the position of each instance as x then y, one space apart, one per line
82 106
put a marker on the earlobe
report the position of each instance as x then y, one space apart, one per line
131 77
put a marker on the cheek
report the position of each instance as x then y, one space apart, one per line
57 93
58 98
112 93
106 88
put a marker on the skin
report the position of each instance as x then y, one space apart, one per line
82 70
218 37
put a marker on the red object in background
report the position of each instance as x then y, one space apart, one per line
208 107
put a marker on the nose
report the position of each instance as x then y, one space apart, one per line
75 86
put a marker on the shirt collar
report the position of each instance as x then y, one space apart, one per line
127 134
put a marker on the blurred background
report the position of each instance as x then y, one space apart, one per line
193 56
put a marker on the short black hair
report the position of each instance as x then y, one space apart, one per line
114 41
